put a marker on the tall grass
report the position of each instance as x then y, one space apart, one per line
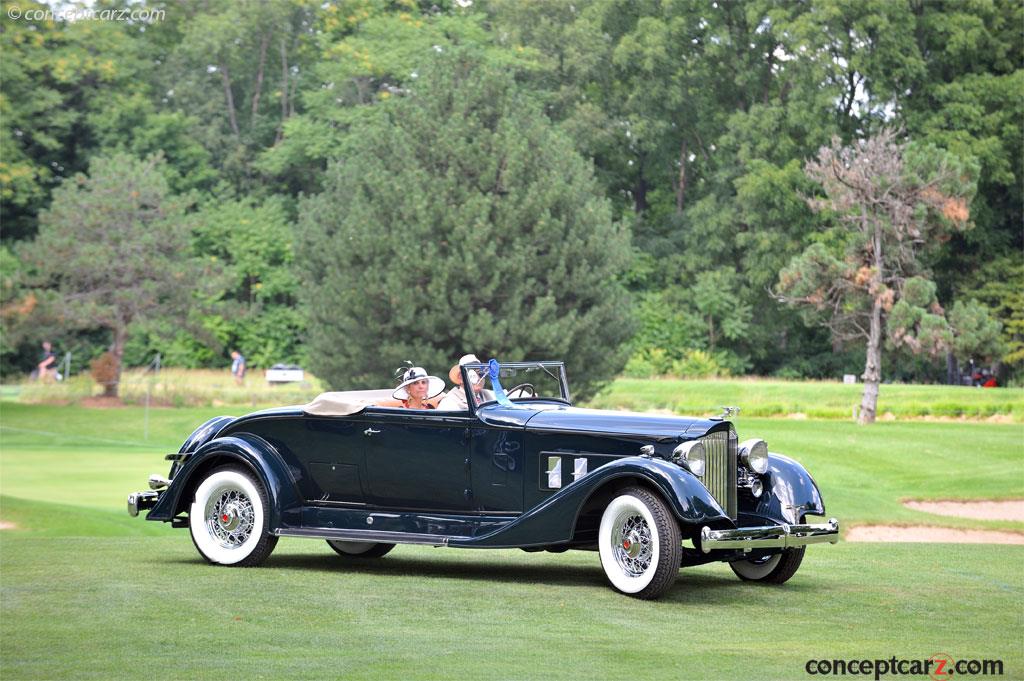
756 397
177 388
811 399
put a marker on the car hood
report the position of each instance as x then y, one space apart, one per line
597 421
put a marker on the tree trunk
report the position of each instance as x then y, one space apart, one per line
259 75
873 366
226 79
952 369
284 92
681 186
117 351
640 191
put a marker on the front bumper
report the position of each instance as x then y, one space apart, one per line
770 536
141 501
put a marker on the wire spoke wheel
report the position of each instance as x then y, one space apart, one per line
634 549
228 519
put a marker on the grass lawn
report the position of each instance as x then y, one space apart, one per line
87 592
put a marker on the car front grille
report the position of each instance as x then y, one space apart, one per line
720 468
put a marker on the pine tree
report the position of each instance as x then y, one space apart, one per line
462 221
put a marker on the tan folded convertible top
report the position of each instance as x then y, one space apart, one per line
344 403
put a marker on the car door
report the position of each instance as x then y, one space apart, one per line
324 456
417 460
497 463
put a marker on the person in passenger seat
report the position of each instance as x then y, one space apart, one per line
416 390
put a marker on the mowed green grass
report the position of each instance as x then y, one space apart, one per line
87 592
816 399
148 607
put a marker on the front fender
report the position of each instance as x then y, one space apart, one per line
251 451
793 492
199 437
554 520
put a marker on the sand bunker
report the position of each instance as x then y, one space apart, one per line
4 525
978 510
924 534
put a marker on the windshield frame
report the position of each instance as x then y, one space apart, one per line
555 369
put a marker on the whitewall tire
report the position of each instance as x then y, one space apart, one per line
228 518
640 544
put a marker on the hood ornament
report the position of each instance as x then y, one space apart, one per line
729 412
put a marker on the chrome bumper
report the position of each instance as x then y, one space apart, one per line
141 501
770 536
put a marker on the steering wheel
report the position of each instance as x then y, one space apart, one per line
522 388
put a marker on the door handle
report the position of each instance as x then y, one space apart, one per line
370 431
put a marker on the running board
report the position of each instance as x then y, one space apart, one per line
367 536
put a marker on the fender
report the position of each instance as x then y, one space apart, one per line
254 453
200 436
553 521
793 492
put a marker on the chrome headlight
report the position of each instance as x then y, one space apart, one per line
754 455
691 455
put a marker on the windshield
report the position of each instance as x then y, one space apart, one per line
517 381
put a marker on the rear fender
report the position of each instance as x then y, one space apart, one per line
554 520
252 452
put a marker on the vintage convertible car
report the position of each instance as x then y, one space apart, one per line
520 467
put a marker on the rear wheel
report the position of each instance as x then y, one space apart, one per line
359 549
228 519
640 544
774 569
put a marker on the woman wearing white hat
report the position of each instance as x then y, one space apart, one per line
416 390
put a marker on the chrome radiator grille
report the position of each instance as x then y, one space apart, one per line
720 468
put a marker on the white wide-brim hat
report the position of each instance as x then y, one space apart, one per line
413 374
455 375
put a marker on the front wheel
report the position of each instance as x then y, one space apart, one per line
774 569
228 519
640 544
359 549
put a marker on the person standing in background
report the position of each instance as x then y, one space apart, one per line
237 366
47 362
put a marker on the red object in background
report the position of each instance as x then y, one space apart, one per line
990 383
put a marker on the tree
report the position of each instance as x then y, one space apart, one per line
56 81
893 203
461 221
113 249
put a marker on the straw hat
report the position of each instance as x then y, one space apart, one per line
413 374
455 375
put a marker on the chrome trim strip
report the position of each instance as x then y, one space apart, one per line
367 536
769 536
